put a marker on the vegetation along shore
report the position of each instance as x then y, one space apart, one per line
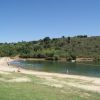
79 48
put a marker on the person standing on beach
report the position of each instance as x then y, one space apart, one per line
8 63
18 69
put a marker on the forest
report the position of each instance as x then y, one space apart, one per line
54 48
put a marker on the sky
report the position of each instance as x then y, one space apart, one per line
35 19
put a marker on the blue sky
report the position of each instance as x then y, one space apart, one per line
34 19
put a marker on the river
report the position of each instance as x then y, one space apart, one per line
87 69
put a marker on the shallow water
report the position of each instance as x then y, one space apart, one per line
87 69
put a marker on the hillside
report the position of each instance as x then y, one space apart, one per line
56 48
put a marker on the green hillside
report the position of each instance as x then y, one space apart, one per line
56 48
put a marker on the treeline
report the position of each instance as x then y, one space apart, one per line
54 49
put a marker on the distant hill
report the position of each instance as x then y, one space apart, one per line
56 48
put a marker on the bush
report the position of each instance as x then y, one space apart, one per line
56 57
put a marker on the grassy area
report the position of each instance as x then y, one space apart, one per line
35 90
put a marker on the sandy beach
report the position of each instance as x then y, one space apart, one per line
94 86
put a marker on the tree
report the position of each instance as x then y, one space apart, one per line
46 39
69 40
63 37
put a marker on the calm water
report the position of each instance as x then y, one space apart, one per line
87 69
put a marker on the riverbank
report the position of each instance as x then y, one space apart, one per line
78 59
94 83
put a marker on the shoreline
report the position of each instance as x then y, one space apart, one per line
78 60
4 68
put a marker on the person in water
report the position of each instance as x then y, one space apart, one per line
67 71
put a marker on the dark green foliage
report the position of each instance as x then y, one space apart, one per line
69 39
46 39
82 36
56 57
70 47
71 57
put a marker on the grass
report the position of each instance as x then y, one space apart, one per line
34 90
